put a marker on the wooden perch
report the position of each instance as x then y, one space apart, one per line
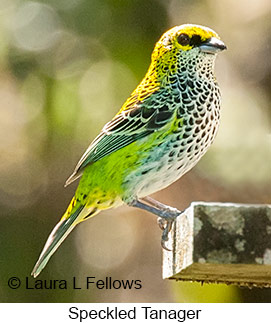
221 243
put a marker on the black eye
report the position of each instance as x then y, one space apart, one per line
183 39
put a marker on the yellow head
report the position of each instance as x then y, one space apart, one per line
180 44
188 37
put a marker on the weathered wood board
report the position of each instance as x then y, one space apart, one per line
221 243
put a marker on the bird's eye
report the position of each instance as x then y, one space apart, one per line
183 39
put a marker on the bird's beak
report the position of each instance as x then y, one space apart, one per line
212 46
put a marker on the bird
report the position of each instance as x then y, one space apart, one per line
160 133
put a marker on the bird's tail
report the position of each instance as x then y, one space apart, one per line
68 222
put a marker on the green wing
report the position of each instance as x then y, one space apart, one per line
128 126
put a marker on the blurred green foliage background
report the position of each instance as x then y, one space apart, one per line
66 67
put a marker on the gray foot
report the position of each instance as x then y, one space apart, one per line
166 214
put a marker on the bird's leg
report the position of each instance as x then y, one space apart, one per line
166 215
165 208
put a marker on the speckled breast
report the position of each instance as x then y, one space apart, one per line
198 113
195 100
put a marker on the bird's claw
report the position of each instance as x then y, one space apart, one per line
165 223
161 223
163 244
166 226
